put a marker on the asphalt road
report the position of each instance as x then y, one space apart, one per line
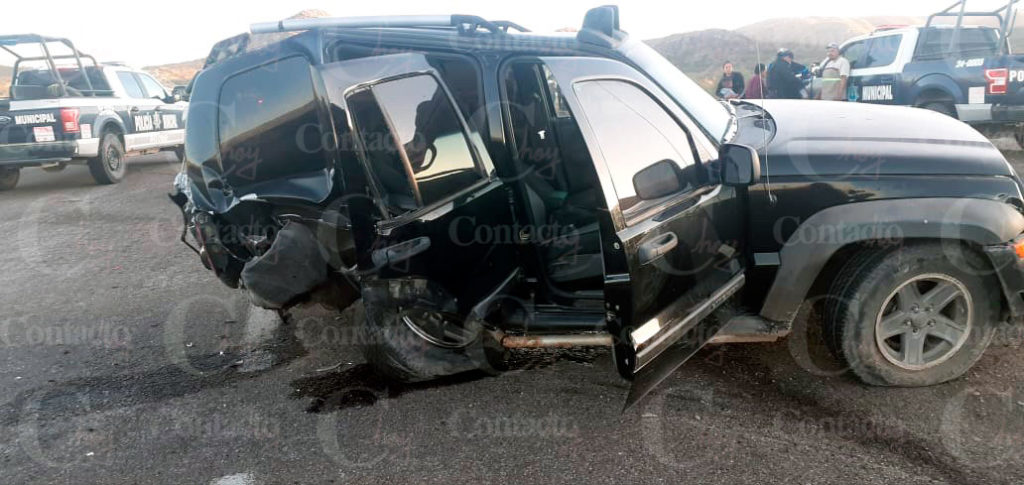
123 361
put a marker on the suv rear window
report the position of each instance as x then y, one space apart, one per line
414 142
269 126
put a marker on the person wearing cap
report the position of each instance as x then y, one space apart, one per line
782 82
835 72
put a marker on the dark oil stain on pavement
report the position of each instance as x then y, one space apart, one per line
359 386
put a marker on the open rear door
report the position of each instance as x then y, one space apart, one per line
674 253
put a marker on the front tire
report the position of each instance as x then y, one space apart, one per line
109 167
911 317
9 178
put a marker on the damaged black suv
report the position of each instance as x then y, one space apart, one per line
481 188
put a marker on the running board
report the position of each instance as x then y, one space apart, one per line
672 345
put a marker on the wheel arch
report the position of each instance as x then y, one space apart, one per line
822 242
936 88
110 122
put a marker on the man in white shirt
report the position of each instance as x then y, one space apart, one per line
835 72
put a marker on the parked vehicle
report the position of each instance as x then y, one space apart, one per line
964 71
64 110
484 188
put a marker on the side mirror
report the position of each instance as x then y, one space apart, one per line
740 164
180 93
659 180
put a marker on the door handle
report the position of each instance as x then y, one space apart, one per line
662 245
134 109
159 108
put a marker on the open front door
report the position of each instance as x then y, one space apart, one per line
675 253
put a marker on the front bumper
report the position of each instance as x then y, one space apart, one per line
34 154
1009 266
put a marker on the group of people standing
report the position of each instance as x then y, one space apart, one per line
784 79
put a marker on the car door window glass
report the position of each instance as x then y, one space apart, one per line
633 132
883 51
152 87
429 141
855 52
131 86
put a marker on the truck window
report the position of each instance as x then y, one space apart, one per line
131 85
855 53
152 87
883 51
633 132
414 142
934 43
269 123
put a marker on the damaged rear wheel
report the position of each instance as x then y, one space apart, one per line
412 333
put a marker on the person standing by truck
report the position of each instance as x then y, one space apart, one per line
756 89
783 83
835 73
731 85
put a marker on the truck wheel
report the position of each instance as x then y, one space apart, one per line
9 178
416 338
917 316
109 167
941 107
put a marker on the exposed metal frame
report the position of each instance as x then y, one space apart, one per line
6 41
1006 15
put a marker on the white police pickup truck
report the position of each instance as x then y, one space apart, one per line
63 110
964 71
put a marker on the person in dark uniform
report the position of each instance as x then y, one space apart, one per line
782 82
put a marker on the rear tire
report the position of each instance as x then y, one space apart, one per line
941 107
883 322
9 178
109 167
401 341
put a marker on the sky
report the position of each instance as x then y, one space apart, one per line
146 33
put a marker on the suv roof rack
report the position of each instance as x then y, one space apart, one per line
463 23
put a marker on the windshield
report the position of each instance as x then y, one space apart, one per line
712 116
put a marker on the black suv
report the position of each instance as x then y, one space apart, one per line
482 188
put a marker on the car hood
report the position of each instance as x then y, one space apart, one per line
837 138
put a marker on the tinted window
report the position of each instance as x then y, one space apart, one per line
268 123
855 53
883 51
428 141
633 132
934 43
152 87
130 84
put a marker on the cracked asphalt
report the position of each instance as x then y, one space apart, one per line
123 361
